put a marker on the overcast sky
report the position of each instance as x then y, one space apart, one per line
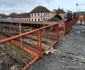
21 6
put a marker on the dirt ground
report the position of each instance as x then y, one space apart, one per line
72 43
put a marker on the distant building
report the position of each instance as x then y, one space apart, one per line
53 13
3 16
20 17
39 13
81 13
59 11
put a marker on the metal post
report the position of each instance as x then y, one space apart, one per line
20 32
57 32
40 45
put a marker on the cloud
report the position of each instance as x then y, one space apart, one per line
48 1
12 3
7 6
19 6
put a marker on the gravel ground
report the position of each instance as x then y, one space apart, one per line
73 43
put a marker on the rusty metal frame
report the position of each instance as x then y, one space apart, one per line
39 44
38 32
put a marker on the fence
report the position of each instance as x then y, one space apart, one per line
69 24
28 47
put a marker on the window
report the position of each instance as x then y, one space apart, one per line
44 19
28 19
44 14
38 14
32 19
35 14
31 14
38 19
35 19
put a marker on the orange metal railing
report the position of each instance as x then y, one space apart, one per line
35 42
69 24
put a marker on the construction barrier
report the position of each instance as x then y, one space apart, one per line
28 47
84 18
35 43
69 24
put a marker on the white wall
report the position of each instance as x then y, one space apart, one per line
33 17
40 16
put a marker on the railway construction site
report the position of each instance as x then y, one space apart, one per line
20 50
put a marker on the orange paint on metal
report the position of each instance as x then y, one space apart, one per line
40 46
21 46
38 32
24 34
30 63
57 30
64 27
51 46
38 42
24 48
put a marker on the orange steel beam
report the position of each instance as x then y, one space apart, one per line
69 23
27 33
24 48
38 42
21 46
30 63
23 34
57 37
65 27
40 46
27 50
57 30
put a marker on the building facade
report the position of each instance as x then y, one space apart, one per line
38 14
53 13
59 11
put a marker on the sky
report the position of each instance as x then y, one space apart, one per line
25 6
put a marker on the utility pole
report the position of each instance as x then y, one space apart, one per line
76 8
